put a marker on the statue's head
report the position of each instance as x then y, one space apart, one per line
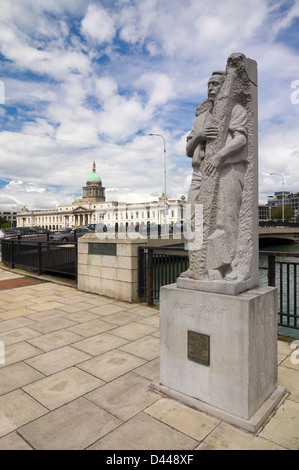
236 59
215 83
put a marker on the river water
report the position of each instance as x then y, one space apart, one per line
263 280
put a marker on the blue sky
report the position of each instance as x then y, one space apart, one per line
87 81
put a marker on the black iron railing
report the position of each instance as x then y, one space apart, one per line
283 272
159 267
41 256
162 266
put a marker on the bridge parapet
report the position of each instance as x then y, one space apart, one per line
280 232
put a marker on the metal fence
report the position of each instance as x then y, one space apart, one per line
162 266
41 257
283 272
159 267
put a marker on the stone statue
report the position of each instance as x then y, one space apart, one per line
222 145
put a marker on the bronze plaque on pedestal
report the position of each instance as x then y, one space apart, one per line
102 249
199 348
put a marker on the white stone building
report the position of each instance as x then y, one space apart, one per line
93 208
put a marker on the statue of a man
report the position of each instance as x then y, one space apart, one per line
228 165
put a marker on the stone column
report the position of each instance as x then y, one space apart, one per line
108 265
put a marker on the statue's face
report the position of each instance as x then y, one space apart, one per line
214 85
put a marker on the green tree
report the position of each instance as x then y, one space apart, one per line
2 221
276 213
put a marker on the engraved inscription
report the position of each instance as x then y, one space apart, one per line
198 311
199 348
181 306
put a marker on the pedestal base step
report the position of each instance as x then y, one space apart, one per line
252 425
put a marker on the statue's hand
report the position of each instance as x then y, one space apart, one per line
212 165
208 133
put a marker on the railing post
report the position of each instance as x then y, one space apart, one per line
76 258
271 270
141 277
150 299
39 258
12 254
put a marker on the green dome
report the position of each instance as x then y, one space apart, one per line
94 177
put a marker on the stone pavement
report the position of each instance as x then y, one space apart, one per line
76 375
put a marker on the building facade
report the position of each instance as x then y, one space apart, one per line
9 217
277 200
93 208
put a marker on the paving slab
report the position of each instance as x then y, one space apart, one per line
57 323
92 327
81 316
54 340
142 433
153 321
19 352
17 409
147 347
125 396
16 304
74 426
19 312
73 308
62 387
144 311
57 360
16 376
227 437
111 365
182 418
8 275
150 370
44 306
14 323
289 379
133 331
292 362
18 335
123 317
283 428
14 441
45 314
107 308
99 344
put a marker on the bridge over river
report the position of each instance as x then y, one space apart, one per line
280 233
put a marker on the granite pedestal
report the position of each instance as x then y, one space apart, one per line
218 352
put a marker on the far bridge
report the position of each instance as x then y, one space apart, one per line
288 233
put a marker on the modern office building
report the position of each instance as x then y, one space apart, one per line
9 217
278 199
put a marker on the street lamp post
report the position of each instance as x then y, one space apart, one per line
277 174
165 202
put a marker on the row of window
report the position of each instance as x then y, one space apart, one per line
110 216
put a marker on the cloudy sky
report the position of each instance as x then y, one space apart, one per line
84 81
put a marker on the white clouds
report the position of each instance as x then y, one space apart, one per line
157 86
122 116
98 24
106 87
105 73
137 21
279 153
16 192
